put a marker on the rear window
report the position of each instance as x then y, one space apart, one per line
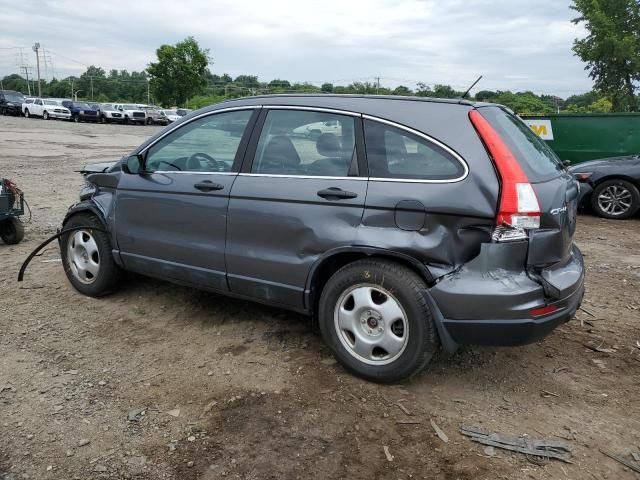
397 154
536 158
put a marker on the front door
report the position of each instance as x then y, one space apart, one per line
171 217
299 197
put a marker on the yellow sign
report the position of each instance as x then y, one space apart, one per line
542 128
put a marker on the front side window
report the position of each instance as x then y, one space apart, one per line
208 144
396 153
296 142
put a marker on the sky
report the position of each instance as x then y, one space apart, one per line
516 45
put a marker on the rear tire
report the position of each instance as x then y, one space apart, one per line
87 258
11 231
374 317
615 199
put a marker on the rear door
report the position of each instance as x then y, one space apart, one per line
299 195
555 187
37 108
171 218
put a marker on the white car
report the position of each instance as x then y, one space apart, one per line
314 130
171 115
108 113
46 108
132 113
27 101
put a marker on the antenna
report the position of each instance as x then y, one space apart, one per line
472 85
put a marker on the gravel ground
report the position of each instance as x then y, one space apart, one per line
160 381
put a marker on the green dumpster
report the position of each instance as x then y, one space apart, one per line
582 137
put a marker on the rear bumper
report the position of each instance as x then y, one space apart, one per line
488 302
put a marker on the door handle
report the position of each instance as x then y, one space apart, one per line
208 185
335 193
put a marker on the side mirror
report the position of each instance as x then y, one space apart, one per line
134 164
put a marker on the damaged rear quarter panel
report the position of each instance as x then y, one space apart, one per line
451 220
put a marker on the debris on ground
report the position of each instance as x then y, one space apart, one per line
136 414
403 408
530 446
631 465
441 435
174 413
387 453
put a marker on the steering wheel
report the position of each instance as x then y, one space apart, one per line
169 163
193 163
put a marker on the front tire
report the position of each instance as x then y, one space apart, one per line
26 113
615 199
87 258
45 116
374 317
11 231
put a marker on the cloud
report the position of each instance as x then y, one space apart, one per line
515 44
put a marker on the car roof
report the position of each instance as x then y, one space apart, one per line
364 99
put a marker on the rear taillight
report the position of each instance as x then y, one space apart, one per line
519 209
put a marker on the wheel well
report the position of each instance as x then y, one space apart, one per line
632 181
331 265
86 210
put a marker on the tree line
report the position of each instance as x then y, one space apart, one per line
123 86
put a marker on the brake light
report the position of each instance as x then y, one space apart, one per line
519 207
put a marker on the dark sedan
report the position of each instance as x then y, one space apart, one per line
610 186
81 111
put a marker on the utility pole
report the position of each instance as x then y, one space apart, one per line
36 47
91 82
25 69
148 93
377 84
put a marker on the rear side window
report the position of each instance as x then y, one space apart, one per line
396 153
305 143
535 157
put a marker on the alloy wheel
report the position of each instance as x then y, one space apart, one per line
615 200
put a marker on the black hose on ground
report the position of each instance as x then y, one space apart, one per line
48 241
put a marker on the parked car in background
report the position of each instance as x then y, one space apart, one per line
81 111
154 116
47 109
314 130
132 113
27 101
181 112
610 186
107 113
170 115
11 102
423 222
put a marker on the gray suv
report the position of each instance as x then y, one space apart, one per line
412 224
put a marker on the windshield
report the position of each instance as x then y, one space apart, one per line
130 107
534 155
13 97
82 105
50 102
107 108
170 112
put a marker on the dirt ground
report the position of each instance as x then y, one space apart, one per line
220 388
